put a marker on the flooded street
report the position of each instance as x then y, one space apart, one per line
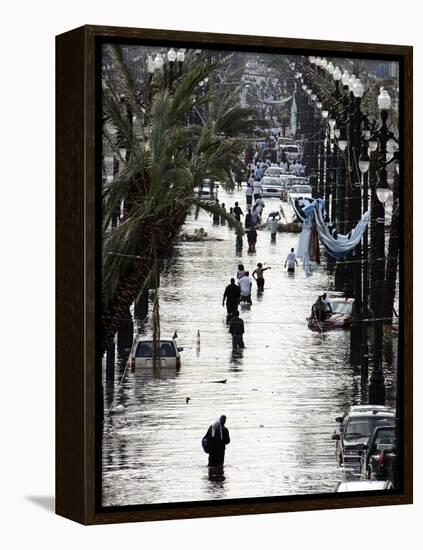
281 395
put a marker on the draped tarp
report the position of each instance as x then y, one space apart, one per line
275 102
314 217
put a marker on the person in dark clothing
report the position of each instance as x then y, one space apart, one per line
248 219
252 239
222 219
232 296
218 438
216 217
236 328
238 212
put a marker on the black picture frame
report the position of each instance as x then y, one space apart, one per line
77 274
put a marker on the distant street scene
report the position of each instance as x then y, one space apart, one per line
250 275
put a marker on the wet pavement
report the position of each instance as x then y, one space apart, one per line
281 395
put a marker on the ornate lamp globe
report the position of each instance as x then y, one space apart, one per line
158 62
342 140
372 144
324 63
384 100
180 56
332 122
150 65
171 55
337 75
319 104
364 160
383 194
313 96
358 88
351 81
330 68
312 59
318 61
345 78
325 114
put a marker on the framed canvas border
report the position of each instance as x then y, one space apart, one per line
77 146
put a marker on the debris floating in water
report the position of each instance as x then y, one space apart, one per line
187 400
119 409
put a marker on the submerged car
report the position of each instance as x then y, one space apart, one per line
271 186
340 318
363 485
299 192
289 182
355 428
142 357
380 457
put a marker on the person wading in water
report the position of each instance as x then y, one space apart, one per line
259 276
232 295
217 438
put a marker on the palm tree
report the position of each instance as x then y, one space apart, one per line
167 160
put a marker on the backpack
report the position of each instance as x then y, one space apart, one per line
205 444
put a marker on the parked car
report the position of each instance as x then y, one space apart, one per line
292 152
363 485
141 355
271 186
380 456
285 141
355 428
274 171
288 181
341 317
299 192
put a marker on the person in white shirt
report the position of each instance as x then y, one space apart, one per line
245 285
259 204
284 166
272 222
297 168
291 261
292 169
257 189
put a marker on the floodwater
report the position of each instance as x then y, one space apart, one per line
281 395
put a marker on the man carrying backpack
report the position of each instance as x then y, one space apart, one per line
217 438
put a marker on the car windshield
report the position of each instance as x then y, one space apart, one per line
301 189
363 427
384 439
271 181
291 149
273 172
341 307
145 349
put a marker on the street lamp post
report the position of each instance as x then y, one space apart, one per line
383 193
357 90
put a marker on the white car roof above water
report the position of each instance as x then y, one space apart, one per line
363 485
